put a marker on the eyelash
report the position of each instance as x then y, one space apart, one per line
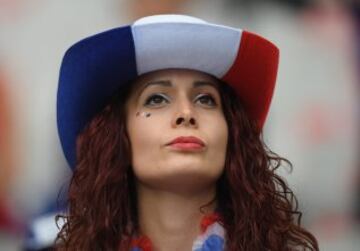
147 102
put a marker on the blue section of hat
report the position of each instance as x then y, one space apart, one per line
91 71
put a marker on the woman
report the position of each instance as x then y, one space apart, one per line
161 122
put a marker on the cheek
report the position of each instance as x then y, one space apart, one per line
141 133
145 136
217 134
220 131
217 130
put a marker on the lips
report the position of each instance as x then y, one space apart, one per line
187 140
189 143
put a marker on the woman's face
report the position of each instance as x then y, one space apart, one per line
167 104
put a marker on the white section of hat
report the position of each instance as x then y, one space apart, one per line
173 18
187 45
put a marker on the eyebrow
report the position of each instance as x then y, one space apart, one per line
167 83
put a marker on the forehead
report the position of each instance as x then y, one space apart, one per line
173 77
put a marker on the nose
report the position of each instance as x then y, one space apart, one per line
185 116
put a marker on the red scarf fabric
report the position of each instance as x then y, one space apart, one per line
211 236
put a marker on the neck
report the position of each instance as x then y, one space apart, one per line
172 220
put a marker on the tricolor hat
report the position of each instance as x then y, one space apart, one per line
95 67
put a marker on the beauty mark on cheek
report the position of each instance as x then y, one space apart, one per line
143 114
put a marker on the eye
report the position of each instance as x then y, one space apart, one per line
155 99
207 99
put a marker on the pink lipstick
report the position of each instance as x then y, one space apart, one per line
187 143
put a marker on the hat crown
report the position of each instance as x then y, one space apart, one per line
168 18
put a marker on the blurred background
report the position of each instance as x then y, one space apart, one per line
313 120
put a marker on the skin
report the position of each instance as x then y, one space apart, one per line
172 184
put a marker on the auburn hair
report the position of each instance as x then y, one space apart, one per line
259 210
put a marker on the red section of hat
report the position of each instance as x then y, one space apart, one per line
253 75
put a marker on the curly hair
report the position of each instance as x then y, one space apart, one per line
259 210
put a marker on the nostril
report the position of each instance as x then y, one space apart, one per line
179 120
191 121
